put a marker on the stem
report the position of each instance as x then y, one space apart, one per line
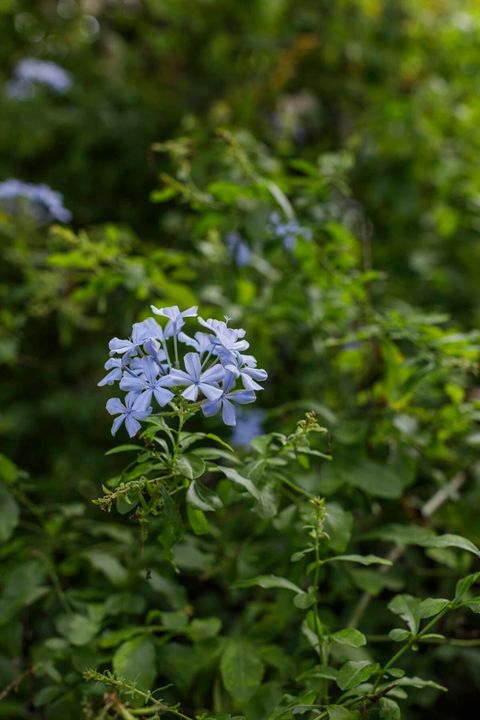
175 348
414 639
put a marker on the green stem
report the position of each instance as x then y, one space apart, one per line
414 639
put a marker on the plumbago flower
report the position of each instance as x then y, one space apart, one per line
162 364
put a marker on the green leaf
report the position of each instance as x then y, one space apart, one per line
135 661
107 564
202 497
238 479
190 466
9 513
474 604
417 682
389 709
204 628
78 629
360 559
399 634
338 525
431 606
350 637
337 712
123 448
8 470
270 581
21 587
407 607
198 521
464 585
415 535
376 479
355 672
241 669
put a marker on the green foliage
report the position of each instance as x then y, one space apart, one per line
328 570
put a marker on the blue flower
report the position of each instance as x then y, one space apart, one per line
226 341
246 369
148 383
289 231
39 201
238 249
115 366
142 333
175 318
31 71
248 427
225 402
202 342
130 413
196 379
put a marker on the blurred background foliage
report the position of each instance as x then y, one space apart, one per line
187 122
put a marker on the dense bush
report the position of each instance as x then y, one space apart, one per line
320 558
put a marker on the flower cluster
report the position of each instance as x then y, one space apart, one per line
150 367
39 201
30 71
288 231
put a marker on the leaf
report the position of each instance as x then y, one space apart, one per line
360 559
270 581
9 513
417 682
78 629
350 637
198 521
399 634
415 535
407 607
432 606
190 466
204 628
238 479
389 709
355 672
338 712
21 587
134 661
107 564
456 541
376 479
123 448
464 585
202 497
474 604
338 525
241 669
8 470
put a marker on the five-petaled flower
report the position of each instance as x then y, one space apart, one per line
130 413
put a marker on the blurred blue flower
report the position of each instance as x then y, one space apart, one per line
130 413
238 249
249 426
39 201
30 71
288 231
